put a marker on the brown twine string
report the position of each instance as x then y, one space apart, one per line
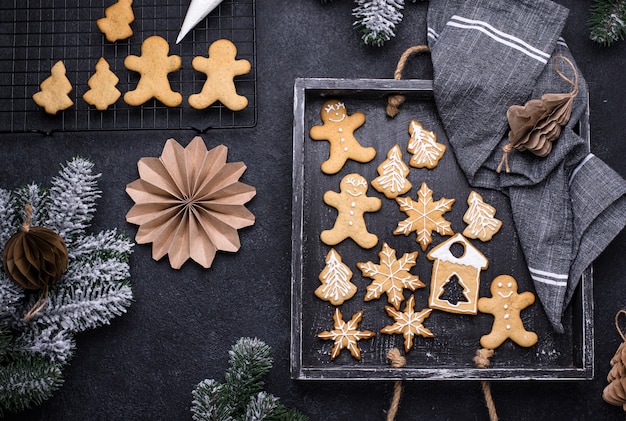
509 146
619 329
397 361
43 297
395 101
481 360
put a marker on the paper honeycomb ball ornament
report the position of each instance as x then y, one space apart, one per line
615 392
35 257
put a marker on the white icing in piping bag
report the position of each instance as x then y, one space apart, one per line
198 10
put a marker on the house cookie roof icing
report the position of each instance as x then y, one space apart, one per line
471 256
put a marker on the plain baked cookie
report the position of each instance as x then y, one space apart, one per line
338 129
102 92
153 65
53 96
351 203
505 305
116 24
220 69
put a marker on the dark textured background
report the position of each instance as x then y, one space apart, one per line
182 323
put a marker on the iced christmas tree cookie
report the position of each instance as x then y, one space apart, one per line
335 277
424 147
392 180
338 129
480 219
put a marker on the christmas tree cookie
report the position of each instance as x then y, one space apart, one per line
392 180
480 219
424 147
335 277
102 84
53 96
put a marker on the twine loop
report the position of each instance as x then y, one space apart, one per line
396 360
395 101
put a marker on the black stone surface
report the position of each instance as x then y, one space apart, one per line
182 323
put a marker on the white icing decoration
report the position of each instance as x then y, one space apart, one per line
472 256
508 327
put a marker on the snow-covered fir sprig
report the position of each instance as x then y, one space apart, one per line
94 289
376 19
241 397
608 21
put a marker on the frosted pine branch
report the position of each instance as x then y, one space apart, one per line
80 309
10 297
261 407
210 402
109 243
73 195
377 19
48 342
7 216
35 196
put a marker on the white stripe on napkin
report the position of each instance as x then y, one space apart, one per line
548 277
499 36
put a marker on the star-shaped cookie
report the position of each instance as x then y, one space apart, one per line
424 216
346 334
408 323
391 276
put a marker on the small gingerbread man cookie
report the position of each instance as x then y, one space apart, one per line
220 68
351 203
506 305
153 65
338 129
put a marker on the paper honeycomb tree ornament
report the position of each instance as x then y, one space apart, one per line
392 180
54 93
102 84
615 392
189 203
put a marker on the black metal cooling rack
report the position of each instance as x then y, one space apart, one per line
35 34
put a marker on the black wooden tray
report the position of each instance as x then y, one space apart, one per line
449 355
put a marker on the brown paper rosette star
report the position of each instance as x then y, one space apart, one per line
189 203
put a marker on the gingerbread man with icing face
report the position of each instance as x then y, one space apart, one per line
505 305
351 203
338 129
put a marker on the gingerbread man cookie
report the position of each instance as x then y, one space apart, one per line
220 68
338 129
351 203
153 65
506 305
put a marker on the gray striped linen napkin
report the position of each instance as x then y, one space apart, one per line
488 55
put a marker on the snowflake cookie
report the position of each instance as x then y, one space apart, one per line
335 277
424 147
391 276
408 323
346 334
424 216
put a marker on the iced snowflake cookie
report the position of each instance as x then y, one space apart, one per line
338 129
335 277
424 216
392 180
351 203
116 24
505 305
346 334
480 219
424 147
153 65
391 276
408 323
455 279
220 68
55 89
